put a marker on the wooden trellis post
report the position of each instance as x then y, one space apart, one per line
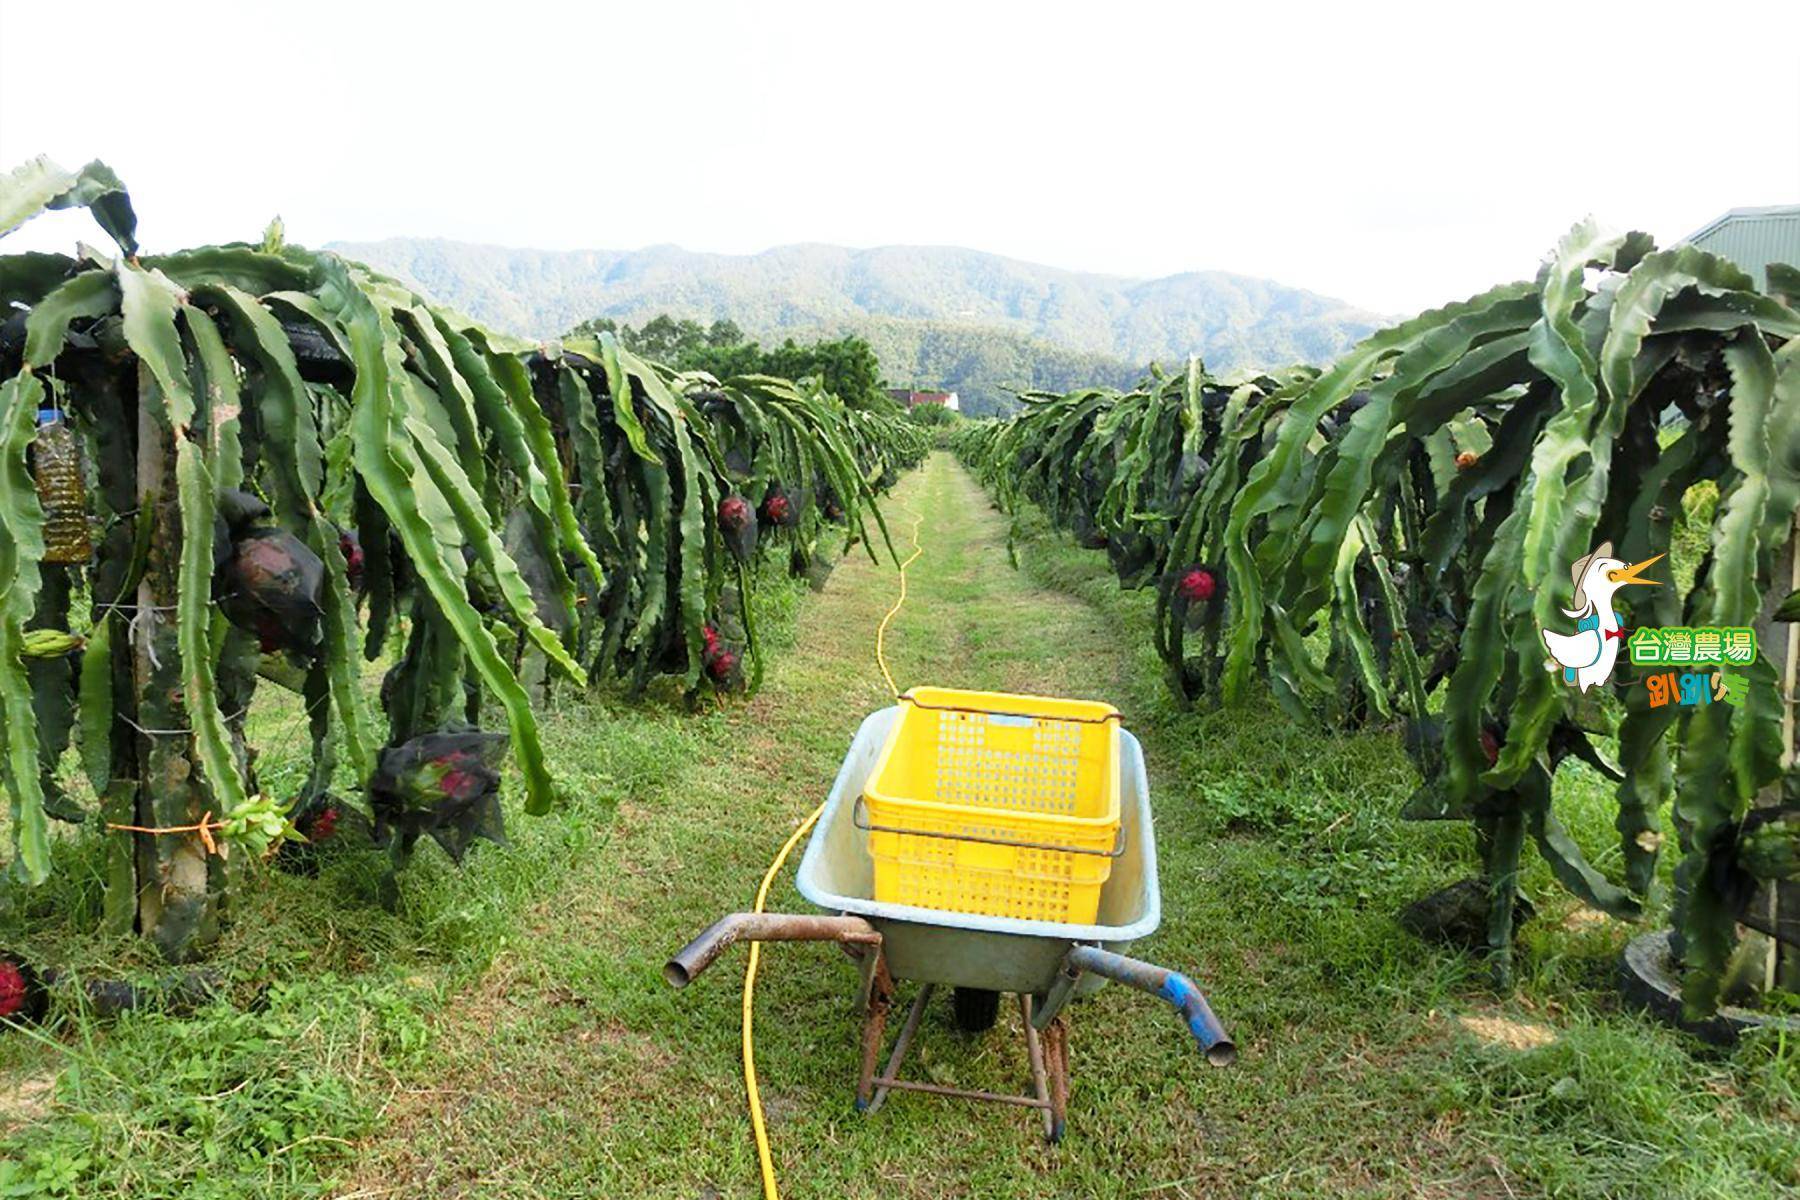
178 883
1763 962
1781 966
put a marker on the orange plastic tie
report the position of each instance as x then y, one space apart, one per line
205 829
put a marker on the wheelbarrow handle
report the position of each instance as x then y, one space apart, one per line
1171 986
727 931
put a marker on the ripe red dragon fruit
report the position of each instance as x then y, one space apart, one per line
737 521
734 513
329 826
350 545
778 507
22 993
721 664
1198 585
466 776
13 988
1490 747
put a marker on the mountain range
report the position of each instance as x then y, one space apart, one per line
937 316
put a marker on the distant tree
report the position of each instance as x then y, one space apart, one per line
668 340
593 327
847 366
932 414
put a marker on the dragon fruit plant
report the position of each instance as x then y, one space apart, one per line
1419 502
665 467
254 423
329 461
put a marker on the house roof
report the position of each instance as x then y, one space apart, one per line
1753 238
1766 212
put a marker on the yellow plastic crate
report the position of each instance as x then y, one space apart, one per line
990 803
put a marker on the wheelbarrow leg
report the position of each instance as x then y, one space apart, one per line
881 998
1034 1049
1056 1063
901 1045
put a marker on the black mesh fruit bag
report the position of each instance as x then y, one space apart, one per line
267 581
445 784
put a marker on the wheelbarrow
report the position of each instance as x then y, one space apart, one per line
1044 963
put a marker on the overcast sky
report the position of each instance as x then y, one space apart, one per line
1397 158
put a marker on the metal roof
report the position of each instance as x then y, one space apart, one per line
1753 238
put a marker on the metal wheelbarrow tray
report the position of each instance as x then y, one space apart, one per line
1045 963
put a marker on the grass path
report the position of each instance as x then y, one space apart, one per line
571 1069
1372 1065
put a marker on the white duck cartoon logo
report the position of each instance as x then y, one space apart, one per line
1586 657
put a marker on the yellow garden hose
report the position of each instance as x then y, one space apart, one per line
770 1191
756 1109
881 629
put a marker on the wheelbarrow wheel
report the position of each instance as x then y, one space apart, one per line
975 1009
